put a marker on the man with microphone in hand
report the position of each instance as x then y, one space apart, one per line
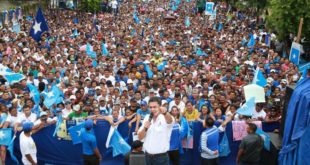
155 132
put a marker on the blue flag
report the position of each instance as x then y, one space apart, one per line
89 52
184 130
220 27
53 97
39 26
34 93
199 52
5 136
295 53
135 17
187 21
248 108
11 150
12 77
16 28
161 66
118 144
75 133
105 51
148 71
265 137
251 42
94 63
59 121
259 78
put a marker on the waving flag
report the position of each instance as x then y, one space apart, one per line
75 133
135 17
53 97
13 77
248 108
187 21
5 136
148 71
199 52
259 78
184 130
11 150
39 26
295 53
16 28
265 137
105 51
116 141
34 93
251 42
161 66
90 52
220 27
58 124
209 8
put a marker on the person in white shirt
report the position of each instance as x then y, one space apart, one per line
155 132
27 146
26 116
259 113
67 110
44 119
177 102
11 119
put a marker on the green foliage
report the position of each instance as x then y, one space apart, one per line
90 5
285 17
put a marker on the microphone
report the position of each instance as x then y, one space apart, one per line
150 119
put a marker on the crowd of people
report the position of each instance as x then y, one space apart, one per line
153 56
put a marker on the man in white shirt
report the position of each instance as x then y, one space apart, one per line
26 116
259 113
177 102
155 131
28 148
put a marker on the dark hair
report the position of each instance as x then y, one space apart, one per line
252 127
209 122
155 99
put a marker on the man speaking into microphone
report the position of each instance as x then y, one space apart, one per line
155 132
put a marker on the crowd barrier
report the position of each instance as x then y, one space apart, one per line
52 150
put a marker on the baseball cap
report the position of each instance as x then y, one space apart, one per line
151 91
40 74
68 102
27 126
76 107
72 97
129 81
89 124
43 114
163 102
143 103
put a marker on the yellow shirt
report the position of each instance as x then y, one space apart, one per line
157 61
191 116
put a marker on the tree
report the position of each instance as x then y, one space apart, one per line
285 16
90 5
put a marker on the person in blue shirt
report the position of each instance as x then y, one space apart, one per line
91 152
141 113
209 144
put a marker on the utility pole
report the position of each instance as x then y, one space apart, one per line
299 30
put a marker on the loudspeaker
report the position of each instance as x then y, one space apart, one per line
288 93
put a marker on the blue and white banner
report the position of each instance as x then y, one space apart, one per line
209 8
295 53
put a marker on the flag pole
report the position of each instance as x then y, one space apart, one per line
300 29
